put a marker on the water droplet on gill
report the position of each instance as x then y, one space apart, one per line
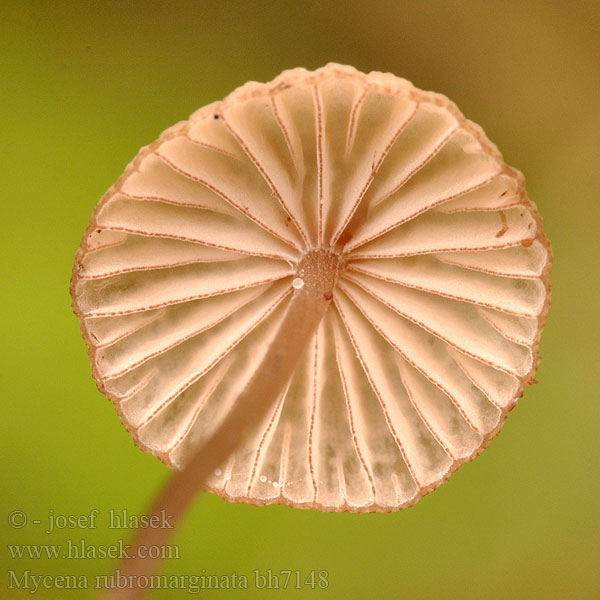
263 478
297 283
218 472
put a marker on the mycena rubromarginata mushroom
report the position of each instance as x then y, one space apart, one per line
325 291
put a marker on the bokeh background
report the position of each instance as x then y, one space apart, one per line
83 86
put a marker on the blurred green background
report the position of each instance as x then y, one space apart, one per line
83 86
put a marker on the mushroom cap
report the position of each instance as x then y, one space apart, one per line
432 331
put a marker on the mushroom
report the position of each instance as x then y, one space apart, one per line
326 291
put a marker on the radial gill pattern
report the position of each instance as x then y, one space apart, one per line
435 312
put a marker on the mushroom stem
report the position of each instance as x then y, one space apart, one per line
318 271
